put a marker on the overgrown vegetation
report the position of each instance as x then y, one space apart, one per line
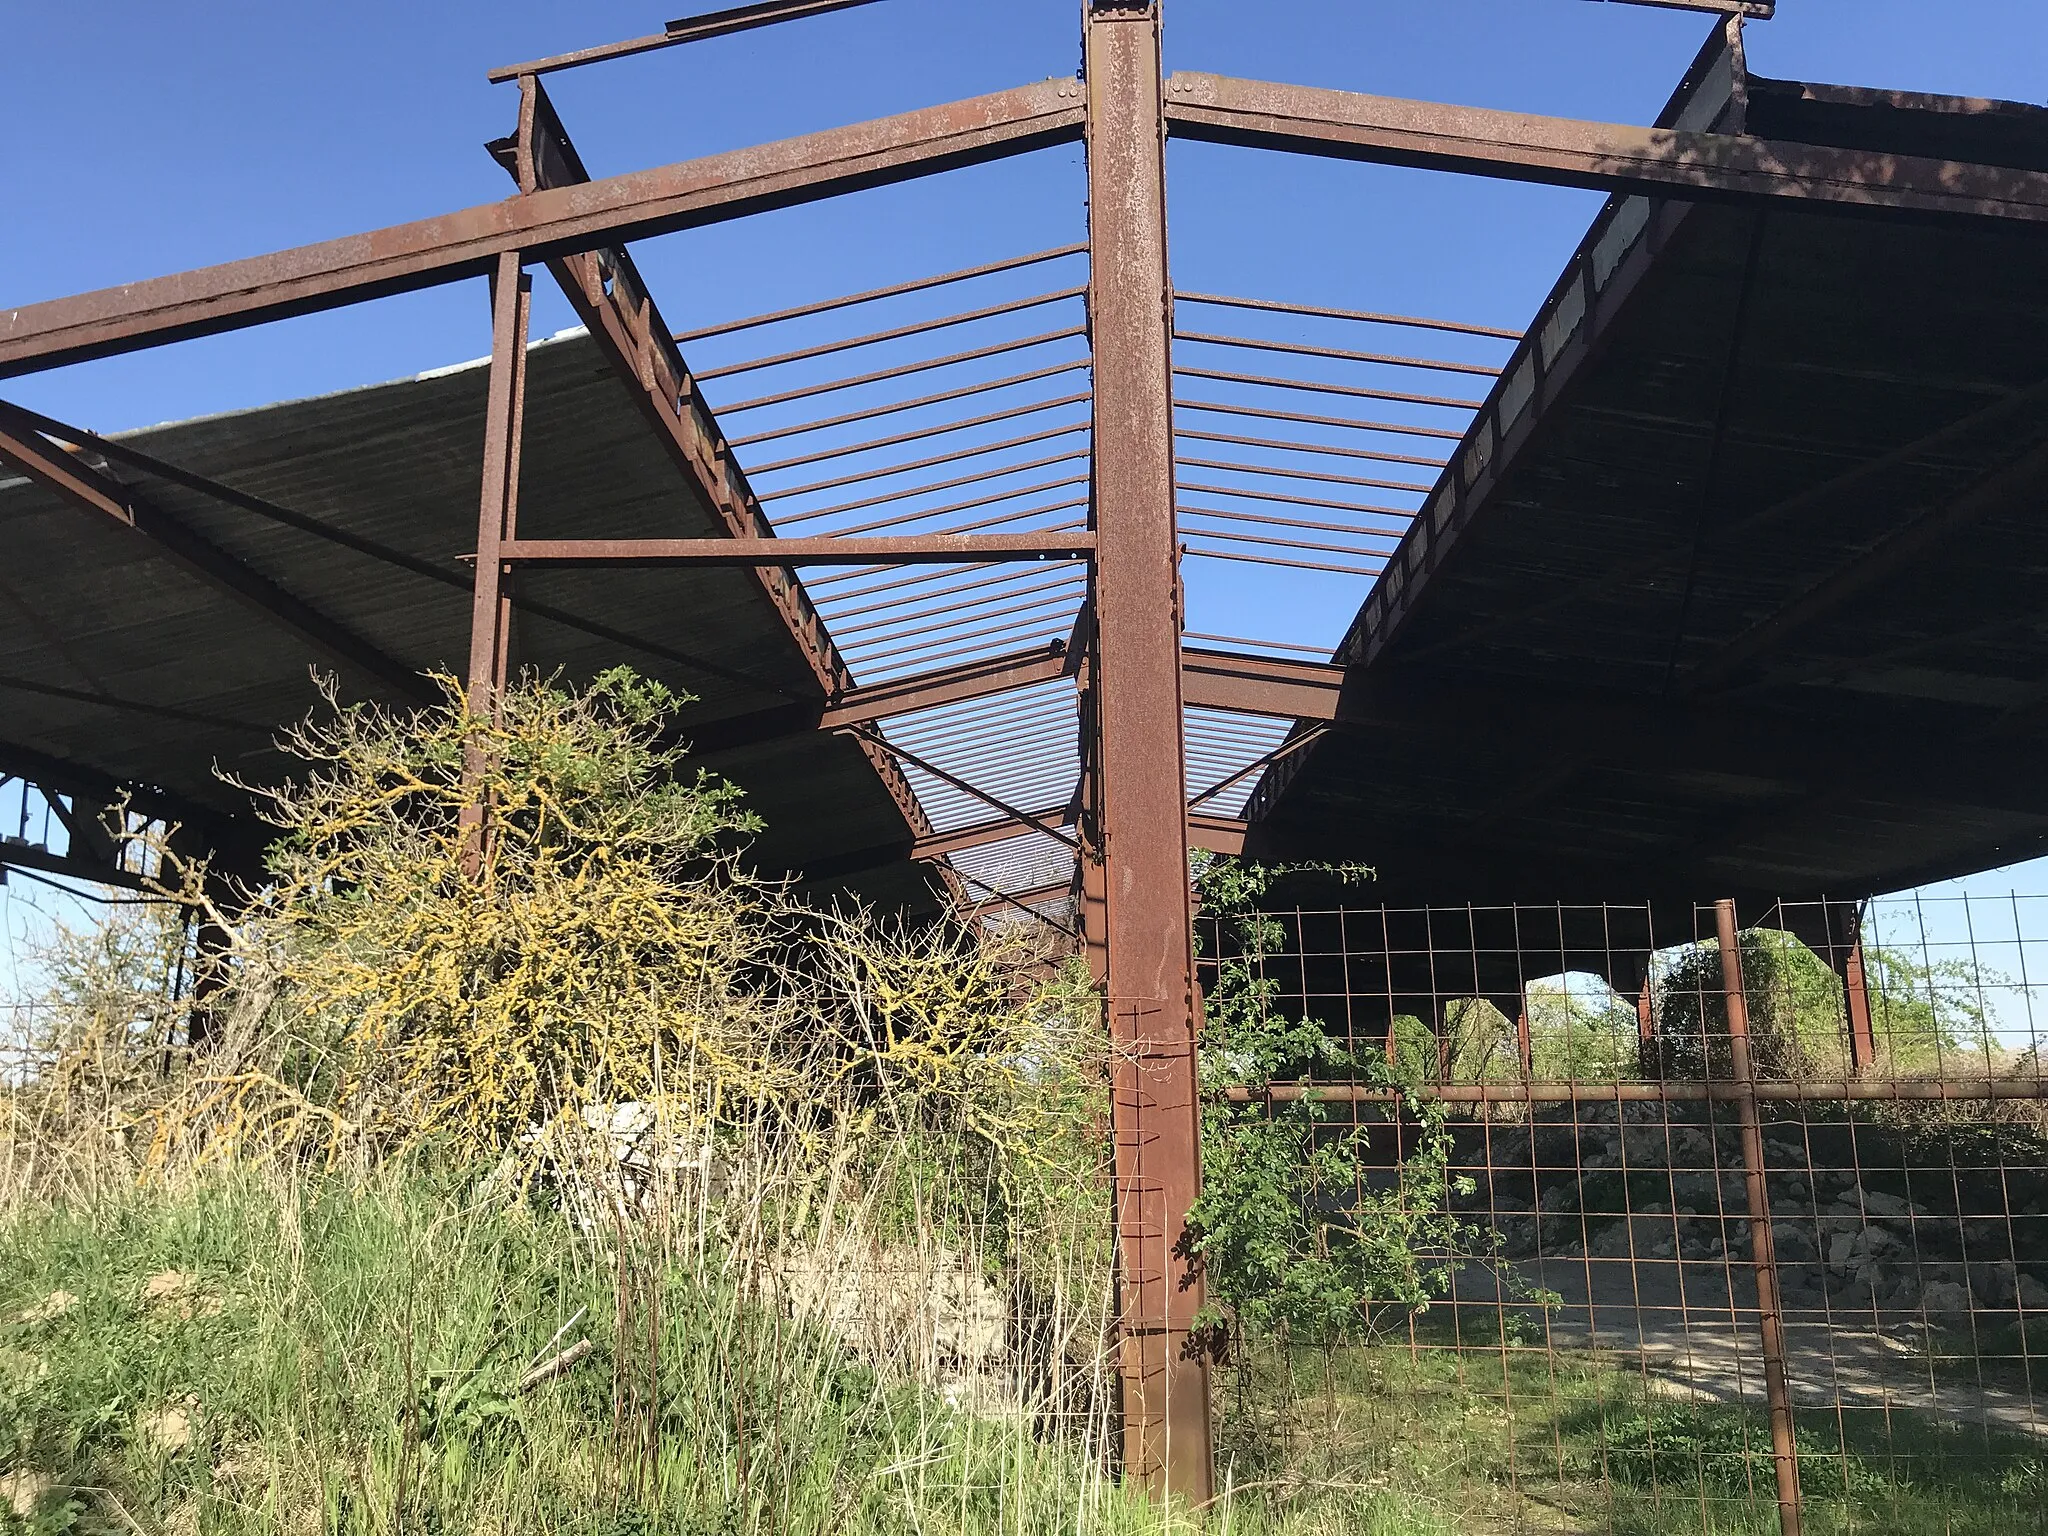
547 1171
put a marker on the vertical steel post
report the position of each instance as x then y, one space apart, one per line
1856 991
1763 1251
1142 783
490 617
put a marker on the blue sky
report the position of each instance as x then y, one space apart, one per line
138 139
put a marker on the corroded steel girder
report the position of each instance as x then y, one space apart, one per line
1141 778
467 243
1606 156
607 293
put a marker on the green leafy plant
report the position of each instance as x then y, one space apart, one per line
1301 1240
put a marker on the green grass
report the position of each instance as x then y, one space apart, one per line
1486 1440
344 1357
347 1362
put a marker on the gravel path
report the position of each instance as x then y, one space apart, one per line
1693 1326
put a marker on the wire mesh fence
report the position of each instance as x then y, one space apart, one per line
1746 1213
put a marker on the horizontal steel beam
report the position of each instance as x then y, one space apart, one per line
1260 685
687 29
1000 829
1605 156
928 549
467 243
1217 834
951 685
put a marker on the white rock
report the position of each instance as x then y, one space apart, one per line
1945 1298
2032 1295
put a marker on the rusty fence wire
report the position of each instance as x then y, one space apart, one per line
1749 1211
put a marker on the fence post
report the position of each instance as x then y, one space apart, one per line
1763 1251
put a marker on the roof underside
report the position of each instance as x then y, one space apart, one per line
188 681
1749 599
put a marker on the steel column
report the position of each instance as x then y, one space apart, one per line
1856 992
490 616
1770 1316
1143 777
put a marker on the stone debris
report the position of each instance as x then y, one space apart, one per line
170 1427
1636 1181
176 1291
51 1307
25 1490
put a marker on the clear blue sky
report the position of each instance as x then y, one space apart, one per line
137 140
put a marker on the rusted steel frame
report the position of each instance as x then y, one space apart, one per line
607 293
920 579
1280 472
1332 450
915 285
1141 778
1853 1090
1271 542
1395 427
149 464
955 612
1016 514
1856 995
897 407
1896 551
894 333
1609 157
77 483
1318 652
1217 834
858 611
924 549
1315 387
1274 520
1338 354
999 723
497 523
950 621
1002 830
1022 818
1286 749
1051 535
467 243
1758 10
956 456
1018 902
1030 900
1402 514
687 29
1022 740
1321 312
952 685
1297 565
904 519
1770 1315
1032 408
490 626
910 493
904 370
957 641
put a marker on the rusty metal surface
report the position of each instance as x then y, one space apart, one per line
685 29
1143 793
467 243
1603 156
